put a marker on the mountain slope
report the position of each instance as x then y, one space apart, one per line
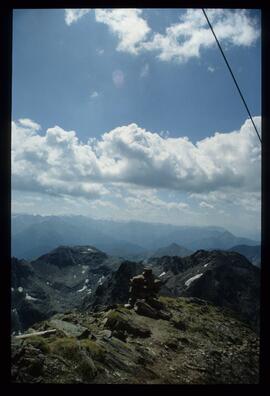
199 344
115 288
55 282
252 253
226 279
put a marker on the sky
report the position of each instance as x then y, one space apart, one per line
131 114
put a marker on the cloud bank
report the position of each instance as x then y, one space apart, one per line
181 41
58 163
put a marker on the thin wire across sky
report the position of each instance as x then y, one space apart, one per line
231 72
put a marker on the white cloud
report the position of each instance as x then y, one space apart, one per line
135 155
94 95
118 78
127 24
250 201
58 163
26 122
211 69
148 200
186 39
145 70
206 205
183 40
73 15
55 163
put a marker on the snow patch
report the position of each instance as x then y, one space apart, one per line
30 298
163 273
100 281
20 289
83 272
86 281
82 289
205 265
89 291
12 289
188 282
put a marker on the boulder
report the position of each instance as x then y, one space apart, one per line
142 308
70 329
122 325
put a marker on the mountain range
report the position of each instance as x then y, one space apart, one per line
70 323
84 277
33 236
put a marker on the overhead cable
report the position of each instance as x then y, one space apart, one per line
230 70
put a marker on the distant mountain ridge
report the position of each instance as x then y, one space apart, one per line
33 236
252 253
172 250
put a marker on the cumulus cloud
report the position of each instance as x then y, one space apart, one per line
128 26
186 39
58 163
55 163
73 15
26 122
183 40
145 158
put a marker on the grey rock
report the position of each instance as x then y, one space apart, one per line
69 329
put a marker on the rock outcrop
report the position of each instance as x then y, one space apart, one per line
115 288
198 344
226 279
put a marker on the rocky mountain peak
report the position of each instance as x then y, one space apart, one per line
64 256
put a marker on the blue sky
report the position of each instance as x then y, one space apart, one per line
158 75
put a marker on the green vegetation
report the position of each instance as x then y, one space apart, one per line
200 343
72 350
96 351
68 347
38 342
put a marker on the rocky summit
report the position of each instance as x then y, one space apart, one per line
195 343
226 279
81 316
